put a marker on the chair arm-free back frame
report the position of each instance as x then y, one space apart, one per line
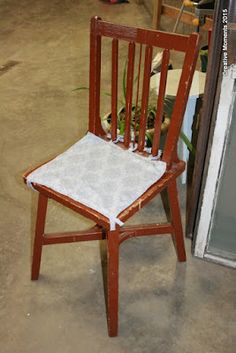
150 38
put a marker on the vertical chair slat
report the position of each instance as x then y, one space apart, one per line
160 101
114 89
145 96
137 92
129 93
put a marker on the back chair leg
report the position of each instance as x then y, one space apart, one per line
176 220
38 240
112 281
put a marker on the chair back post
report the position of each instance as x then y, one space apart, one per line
95 78
169 153
160 101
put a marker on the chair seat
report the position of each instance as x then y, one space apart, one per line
100 175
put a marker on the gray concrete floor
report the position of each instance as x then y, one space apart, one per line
164 306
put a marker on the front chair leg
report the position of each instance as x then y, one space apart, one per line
38 240
176 220
112 281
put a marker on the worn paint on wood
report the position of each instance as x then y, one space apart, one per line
148 38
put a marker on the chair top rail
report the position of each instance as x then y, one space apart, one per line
155 38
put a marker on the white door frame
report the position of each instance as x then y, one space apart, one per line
220 136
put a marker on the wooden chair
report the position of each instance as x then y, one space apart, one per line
116 234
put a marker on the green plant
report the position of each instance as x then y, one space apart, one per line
135 118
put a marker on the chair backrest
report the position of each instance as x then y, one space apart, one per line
138 39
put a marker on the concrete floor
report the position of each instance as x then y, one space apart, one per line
165 307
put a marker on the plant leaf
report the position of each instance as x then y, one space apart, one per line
189 145
149 139
80 88
124 80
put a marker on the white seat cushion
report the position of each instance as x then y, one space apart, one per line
100 175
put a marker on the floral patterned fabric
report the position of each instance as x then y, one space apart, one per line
100 175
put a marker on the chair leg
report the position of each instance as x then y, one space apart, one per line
112 281
38 240
176 220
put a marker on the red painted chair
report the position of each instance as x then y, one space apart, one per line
110 225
